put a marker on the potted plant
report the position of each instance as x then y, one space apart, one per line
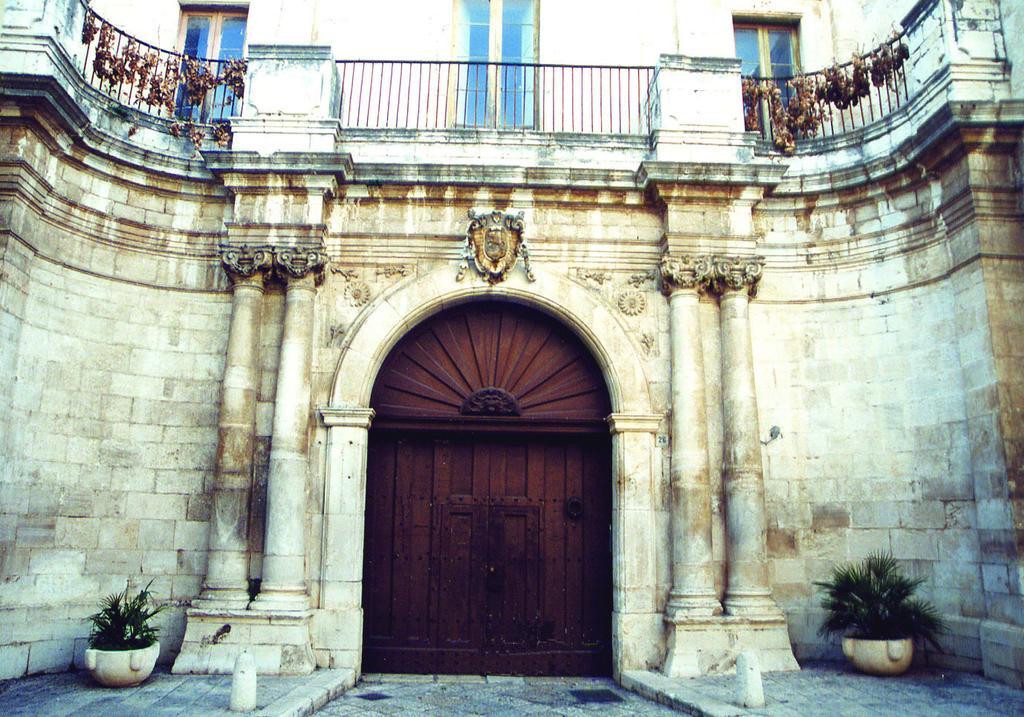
872 605
123 643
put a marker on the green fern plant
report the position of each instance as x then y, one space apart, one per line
123 622
873 600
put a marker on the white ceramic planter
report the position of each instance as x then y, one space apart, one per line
122 668
879 657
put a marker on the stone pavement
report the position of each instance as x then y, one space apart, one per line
827 689
74 694
379 695
833 690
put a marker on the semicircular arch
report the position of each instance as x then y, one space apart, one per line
394 313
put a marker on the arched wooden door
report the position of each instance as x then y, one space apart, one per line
488 501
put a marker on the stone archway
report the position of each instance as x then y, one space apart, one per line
637 637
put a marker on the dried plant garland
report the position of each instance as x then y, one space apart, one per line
812 97
137 75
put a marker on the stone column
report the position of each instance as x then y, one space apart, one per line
693 587
227 571
747 589
284 554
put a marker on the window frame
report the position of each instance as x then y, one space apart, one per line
210 110
495 91
217 17
763 26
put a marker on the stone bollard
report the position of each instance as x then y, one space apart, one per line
749 690
243 684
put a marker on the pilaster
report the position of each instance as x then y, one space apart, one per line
338 624
636 621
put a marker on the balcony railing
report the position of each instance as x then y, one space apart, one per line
426 95
828 102
157 81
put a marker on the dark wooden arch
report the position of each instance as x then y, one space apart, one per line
498 363
488 513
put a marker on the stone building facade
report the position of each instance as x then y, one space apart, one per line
808 357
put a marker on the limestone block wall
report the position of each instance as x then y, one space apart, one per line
113 328
111 441
874 454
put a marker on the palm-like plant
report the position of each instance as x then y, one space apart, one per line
123 622
872 600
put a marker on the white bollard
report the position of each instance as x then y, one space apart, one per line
243 684
749 690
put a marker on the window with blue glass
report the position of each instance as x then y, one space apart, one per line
496 40
212 38
768 52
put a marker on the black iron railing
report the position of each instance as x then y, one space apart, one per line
409 94
157 81
828 102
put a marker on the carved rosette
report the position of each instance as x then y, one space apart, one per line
295 263
494 241
631 303
690 272
737 273
241 263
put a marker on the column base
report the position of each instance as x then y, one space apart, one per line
709 646
276 601
682 606
754 605
278 642
222 599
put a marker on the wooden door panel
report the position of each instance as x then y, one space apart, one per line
458 572
513 578
512 583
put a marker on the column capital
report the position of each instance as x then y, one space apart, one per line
685 272
295 263
245 264
349 417
736 273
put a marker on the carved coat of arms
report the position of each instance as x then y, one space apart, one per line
494 242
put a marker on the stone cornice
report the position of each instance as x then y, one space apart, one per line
227 162
760 173
727 65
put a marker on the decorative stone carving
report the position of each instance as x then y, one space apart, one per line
736 273
632 303
347 274
296 263
337 332
394 270
649 342
639 279
713 274
358 293
595 275
494 242
685 271
490 402
244 262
